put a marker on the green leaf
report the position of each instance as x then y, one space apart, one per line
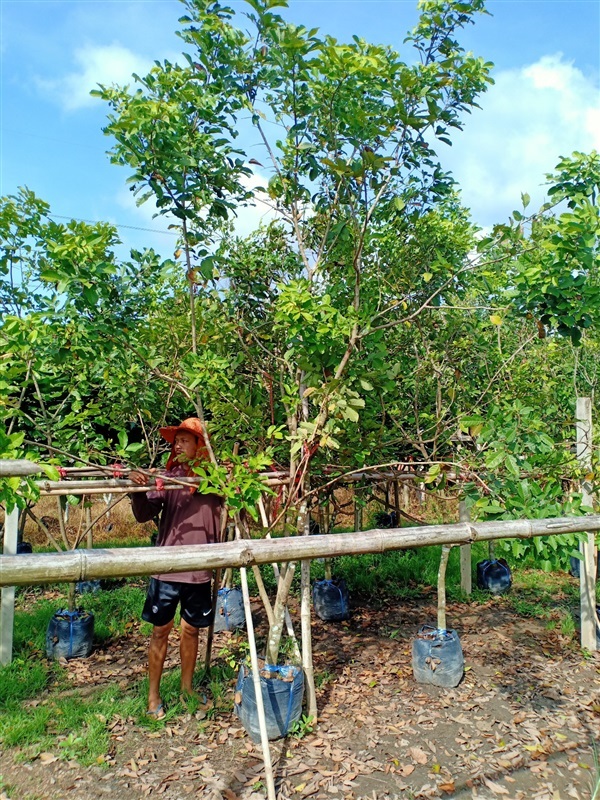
51 472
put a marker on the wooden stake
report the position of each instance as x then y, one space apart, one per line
357 512
465 552
260 707
305 614
87 505
441 620
587 570
397 504
7 609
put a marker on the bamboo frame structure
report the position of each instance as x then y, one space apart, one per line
124 562
90 564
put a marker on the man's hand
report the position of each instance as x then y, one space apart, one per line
141 478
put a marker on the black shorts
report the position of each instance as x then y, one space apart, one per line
162 599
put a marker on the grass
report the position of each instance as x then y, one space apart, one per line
40 711
74 727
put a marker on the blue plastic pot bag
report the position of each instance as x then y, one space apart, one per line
282 690
70 634
230 610
330 600
437 657
575 566
494 575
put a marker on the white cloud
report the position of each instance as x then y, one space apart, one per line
105 64
529 119
139 228
250 217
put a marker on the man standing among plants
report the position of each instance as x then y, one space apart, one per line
186 517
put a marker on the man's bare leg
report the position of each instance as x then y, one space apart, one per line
188 649
157 653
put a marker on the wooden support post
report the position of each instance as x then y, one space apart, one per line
7 612
397 504
465 552
357 512
87 505
441 587
260 707
587 570
305 620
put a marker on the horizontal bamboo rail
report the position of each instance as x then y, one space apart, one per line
123 486
10 467
79 565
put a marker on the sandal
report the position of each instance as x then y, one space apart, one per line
158 713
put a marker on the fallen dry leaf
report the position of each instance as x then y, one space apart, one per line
418 756
447 787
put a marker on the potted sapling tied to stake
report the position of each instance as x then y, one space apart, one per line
437 656
70 631
330 596
281 685
493 574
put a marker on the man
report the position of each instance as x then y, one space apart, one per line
186 517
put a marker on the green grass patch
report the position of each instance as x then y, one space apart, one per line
73 727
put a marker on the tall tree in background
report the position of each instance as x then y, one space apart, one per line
355 126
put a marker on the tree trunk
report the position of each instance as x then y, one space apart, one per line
276 629
442 587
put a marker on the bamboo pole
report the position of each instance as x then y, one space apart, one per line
441 587
305 619
89 526
465 553
13 467
587 570
123 486
260 707
24 570
7 606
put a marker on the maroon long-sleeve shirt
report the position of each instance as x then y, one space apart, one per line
185 518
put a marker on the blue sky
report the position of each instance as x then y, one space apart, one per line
546 101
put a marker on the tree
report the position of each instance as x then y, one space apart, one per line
352 154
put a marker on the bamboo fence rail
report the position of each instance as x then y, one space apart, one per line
21 570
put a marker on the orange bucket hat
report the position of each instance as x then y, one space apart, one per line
190 425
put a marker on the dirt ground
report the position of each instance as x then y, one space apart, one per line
523 723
